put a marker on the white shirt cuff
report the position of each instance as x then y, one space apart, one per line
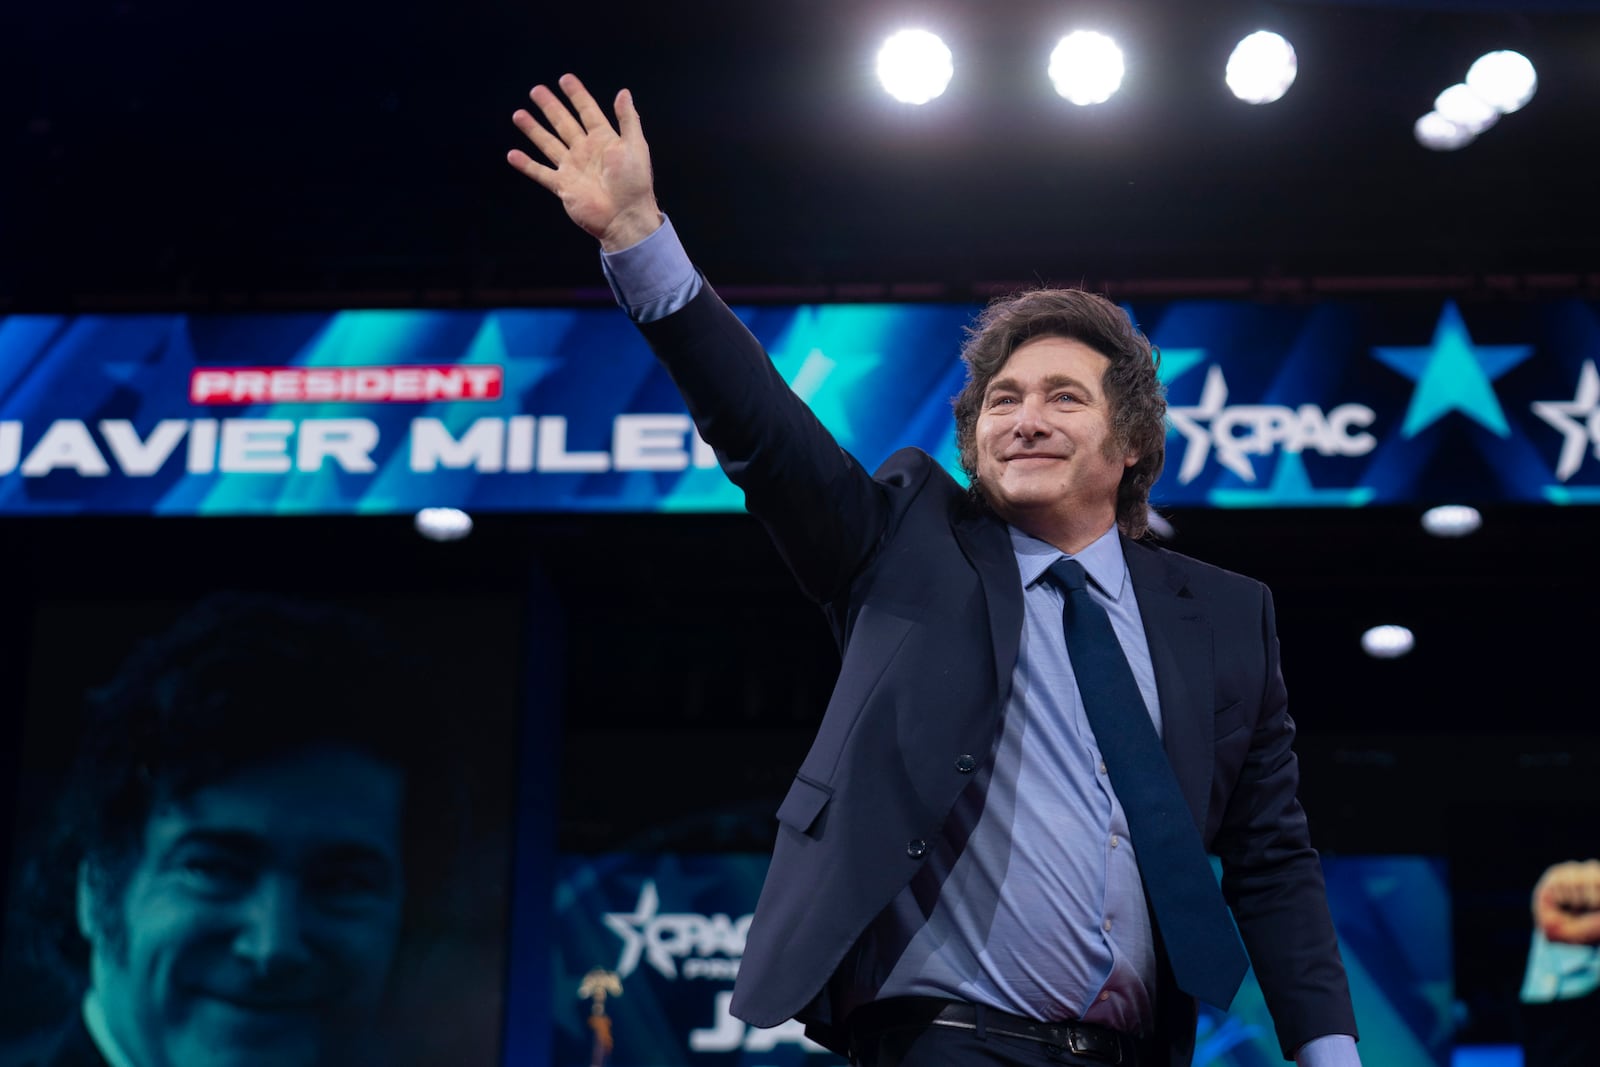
1331 1050
653 278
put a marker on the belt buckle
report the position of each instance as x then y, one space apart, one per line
1084 1042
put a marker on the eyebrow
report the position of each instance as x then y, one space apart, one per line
254 845
1053 382
231 840
349 852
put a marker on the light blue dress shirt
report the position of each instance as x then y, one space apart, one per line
1040 910
1559 971
94 1021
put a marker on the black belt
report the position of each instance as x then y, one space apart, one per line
1080 1038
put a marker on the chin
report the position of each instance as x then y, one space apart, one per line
251 1047
286 1055
1025 499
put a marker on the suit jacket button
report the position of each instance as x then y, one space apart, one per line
965 764
916 848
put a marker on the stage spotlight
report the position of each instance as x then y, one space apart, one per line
915 66
1261 68
1503 80
1086 67
1466 109
1387 642
1451 520
443 524
1435 131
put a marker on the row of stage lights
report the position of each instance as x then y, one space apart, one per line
1086 67
1388 641
1392 640
916 66
1497 84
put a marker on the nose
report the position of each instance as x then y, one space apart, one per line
1030 420
270 937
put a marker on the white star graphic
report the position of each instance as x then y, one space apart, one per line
1577 419
1187 420
631 927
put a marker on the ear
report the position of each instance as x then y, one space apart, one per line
1130 457
86 903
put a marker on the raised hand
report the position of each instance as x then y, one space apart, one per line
1566 902
601 175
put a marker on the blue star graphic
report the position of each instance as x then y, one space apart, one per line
1572 494
1453 374
523 370
1291 487
826 381
153 354
1174 361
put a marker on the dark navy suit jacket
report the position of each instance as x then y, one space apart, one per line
921 587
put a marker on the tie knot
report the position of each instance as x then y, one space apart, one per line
1069 574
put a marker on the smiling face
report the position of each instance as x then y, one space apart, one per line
261 919
1046 458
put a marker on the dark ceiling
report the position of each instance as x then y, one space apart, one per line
177 152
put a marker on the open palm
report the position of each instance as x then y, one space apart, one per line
601 174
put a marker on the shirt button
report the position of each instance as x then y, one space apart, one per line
1106 926
1105 996
1115 841
916 848
1102 766
966 764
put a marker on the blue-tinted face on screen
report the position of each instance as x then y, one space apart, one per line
261 920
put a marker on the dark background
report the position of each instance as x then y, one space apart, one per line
202 156
185 152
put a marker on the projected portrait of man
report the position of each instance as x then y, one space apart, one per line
245 846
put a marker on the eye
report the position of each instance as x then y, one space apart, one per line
216 873
349 886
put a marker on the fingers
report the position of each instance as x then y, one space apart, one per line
546 142
628 118
1566 902
593 118
525 164
1581 929
1573 885
590 121
557 115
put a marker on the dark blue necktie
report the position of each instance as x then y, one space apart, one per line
1207 959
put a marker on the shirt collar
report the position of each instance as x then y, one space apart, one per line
1102 558
94 1020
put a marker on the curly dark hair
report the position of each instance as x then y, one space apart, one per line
237 681
1138 401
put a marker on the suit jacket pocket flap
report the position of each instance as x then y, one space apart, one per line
1231 719
801 808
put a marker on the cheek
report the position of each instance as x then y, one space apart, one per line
364 951
168 932
990 438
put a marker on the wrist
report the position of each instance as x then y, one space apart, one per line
631 226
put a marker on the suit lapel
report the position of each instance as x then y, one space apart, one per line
988 548
1176 629
1179 636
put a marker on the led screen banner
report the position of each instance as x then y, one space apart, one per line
1333 404
663 935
